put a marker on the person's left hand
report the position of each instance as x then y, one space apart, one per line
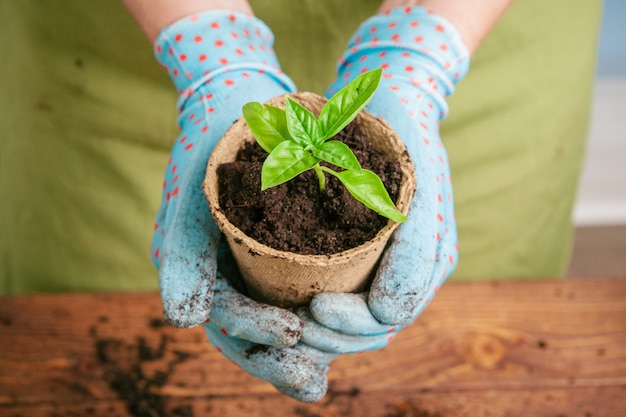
423 58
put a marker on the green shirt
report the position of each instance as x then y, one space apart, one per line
87 119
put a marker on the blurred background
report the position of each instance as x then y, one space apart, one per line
600 211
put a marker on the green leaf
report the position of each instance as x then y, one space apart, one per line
267 123
286 161
302 124
368 188
337 153
344 105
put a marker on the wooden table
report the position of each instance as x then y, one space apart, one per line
540 348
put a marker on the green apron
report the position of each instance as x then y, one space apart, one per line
87 119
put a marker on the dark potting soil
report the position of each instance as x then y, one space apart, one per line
296 216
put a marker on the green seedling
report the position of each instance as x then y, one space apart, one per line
297 141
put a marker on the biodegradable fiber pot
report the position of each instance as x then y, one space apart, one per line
288 279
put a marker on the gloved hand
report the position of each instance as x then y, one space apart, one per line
219 61
423 58
262 340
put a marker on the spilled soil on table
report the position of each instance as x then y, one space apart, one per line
126 367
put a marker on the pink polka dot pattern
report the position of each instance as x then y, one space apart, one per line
210 57
197 49
422 57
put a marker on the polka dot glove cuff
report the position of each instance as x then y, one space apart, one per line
421 54
423 58
218 61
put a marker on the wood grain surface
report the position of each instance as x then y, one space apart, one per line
514 348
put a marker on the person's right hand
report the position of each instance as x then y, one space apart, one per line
219 61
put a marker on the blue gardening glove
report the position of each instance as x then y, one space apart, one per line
423 58
219 61
262 340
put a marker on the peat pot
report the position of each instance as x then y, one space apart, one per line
289 279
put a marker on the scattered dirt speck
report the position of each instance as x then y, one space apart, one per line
136 370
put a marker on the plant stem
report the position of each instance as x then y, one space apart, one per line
320 176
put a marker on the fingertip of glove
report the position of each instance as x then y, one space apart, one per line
187 294
400 314
311 393
187 314
336 302
285 367
323 301
255 322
